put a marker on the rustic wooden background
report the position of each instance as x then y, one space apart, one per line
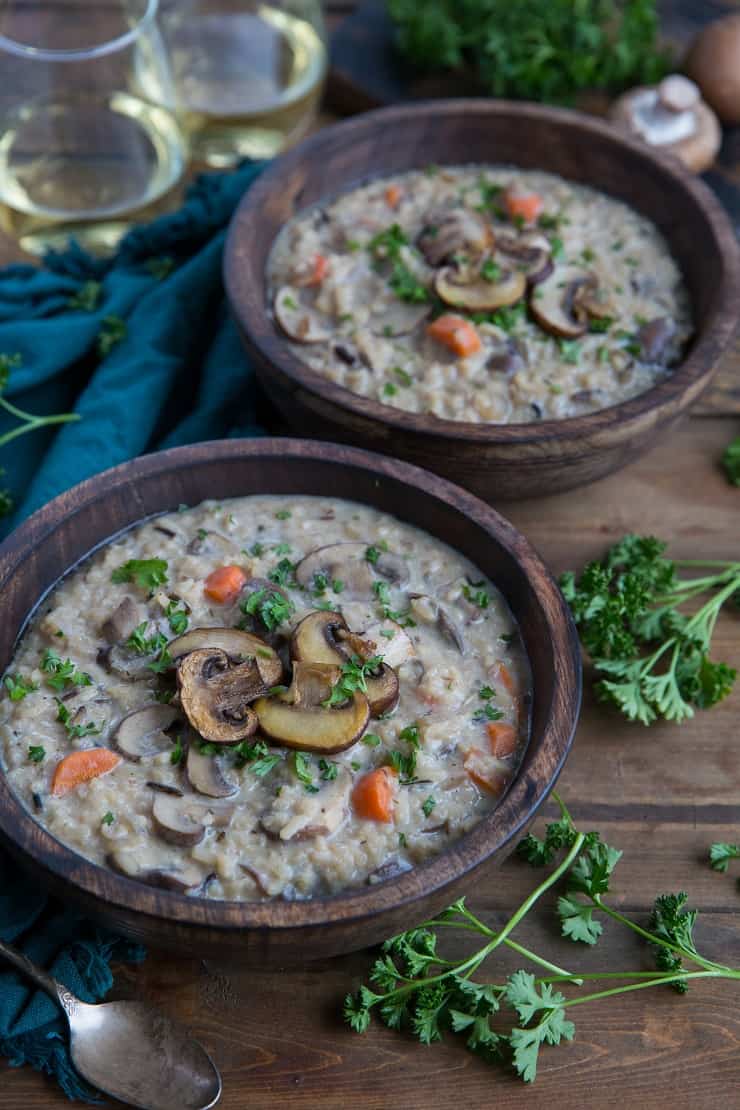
662 795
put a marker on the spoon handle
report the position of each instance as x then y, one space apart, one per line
21 963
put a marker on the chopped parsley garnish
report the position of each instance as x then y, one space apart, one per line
428 806
328 769
386 247
402 841
283 514
487 712
371 739
556 246
108 818
283 574
61 673
18 686
178 752
177 617
473 593
147 573
270 606
490 270
36 753
282 549
257 756
337 585
290 302
303 772
74 731
382 592
403 376
390 390
354 677
600 324
405 764
257 549
570 350
372 554
141 644
486 692
504 318
410 734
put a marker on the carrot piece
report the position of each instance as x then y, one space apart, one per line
319 270
455 332
503 738
373 794
393 196
507 680
525 206
79 767
485 772
224 584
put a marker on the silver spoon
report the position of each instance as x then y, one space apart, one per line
131 1050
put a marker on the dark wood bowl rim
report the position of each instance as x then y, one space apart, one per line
50 855
716 331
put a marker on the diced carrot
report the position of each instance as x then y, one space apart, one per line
372 796
485 771
224 584
79 767
507 680
319 270
455 332
526 206
393 196
503 738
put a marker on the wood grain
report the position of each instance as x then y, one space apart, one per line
498 462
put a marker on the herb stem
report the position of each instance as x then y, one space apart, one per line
561 974
32 423
646 935
655 981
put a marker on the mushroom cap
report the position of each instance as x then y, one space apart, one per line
238 645
713 61
216 694
313 729
696 151
552 307
205 775
300 323
480 295
141 733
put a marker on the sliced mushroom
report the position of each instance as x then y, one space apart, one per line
553 304
348 562
429 611
509 358
126 663
205 775
454 232
183 821
654 337
313 728
297 321
236 644
142 733
181 876
391 869
165 788
480 295
400 318
324 637
312 815
208 542
449 631
531 251
122 621
588 301
216 695
313 683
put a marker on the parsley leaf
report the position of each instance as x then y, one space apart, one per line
36 753
147 573
302 768
721 854
18 686
353 677
61 673
270 606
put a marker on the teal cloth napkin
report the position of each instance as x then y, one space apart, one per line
178 375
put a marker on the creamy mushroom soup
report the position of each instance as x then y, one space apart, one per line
268 697
481 293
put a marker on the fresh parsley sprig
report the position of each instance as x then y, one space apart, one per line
412 986
652 659
354 675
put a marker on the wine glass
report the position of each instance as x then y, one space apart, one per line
89 134
249 75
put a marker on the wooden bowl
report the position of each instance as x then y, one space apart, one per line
54 540
495 461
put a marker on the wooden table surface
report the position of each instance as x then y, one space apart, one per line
662 795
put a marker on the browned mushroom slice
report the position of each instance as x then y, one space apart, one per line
206 776
183 821
142 733
313 728
181 876
348 562
216 695
552 304
531 251
313 683
122 621
480 295
454 232
235 643
298 321
588 300
324 637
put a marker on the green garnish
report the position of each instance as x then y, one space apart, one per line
473 593
18 686
372 554
283 514
354 675
283 574
721 854
570 350
371 739
146 573
490 270
382 592
652 659
140 644
270 606
302 768
107 819
178 752
62 673
731 461
389 389
413 987
487 713
428 806
36 753
403 376
386 247
486 692
74 731
177 617
328 769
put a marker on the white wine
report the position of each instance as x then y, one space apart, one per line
85 166
249 81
